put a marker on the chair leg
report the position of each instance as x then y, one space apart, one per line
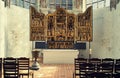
32 75
73 75
19 76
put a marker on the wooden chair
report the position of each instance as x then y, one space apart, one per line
85 69
98 75
108 60
116 75
117 68
95 61
117 61
105 68
0 67
24 64
10 68
78 61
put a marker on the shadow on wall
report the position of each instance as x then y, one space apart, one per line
113 4
83 54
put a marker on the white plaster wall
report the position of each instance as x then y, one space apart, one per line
106 29
14 32
18 43
116 33
3 23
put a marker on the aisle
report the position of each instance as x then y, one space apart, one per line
55 71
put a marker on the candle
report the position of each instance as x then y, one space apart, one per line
90 51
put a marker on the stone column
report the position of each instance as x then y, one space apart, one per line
38 4
84 5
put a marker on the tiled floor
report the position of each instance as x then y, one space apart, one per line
55 71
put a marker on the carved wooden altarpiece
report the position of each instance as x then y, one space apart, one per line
60 30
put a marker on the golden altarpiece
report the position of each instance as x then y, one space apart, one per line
61 30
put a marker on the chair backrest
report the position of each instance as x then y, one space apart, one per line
105 67
117 68
116 75
95 60
82 60
24 64
0 67
117 61
98 75
77 62
86 68
108 60
10 68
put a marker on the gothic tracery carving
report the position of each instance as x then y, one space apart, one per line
37 25
84 32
